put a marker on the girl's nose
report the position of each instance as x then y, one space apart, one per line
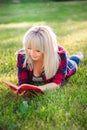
32 51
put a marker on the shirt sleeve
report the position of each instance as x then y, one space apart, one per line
22 72
62 70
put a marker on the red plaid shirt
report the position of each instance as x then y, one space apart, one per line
65 69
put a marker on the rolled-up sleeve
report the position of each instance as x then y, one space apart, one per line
22 72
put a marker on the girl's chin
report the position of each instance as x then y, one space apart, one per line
35 59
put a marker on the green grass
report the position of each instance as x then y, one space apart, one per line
49 11
64 108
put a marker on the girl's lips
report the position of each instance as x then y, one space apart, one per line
33 57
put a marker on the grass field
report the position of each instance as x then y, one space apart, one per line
61 109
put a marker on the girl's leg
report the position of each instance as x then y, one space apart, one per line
73 62
77 58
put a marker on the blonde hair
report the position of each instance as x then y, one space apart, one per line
42 38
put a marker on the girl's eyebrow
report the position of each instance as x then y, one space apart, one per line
37 50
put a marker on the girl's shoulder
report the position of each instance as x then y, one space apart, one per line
62 52
20 57
61 49
20 52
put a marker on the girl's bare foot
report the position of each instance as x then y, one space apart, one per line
80 55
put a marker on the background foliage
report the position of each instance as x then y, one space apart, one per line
24 1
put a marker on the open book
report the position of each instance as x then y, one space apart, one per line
24 88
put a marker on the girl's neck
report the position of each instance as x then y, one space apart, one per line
38 68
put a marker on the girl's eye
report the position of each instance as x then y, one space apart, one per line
37 51
29 48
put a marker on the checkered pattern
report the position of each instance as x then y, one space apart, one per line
65 69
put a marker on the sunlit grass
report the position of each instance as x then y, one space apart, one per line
63 107
19 25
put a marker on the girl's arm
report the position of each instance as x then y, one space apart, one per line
23 75
49 86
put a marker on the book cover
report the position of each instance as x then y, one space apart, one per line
22 89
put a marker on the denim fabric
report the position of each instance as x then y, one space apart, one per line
75 59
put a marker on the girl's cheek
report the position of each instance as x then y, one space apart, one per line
28 51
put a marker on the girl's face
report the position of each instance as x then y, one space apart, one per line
36 55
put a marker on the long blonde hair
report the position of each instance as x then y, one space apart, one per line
42 38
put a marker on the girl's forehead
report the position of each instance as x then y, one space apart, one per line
35 45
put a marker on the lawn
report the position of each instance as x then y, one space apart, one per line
64 108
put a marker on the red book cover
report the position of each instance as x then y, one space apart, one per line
22 89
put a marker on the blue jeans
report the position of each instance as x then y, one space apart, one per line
75 58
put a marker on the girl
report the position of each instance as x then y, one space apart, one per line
43 61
